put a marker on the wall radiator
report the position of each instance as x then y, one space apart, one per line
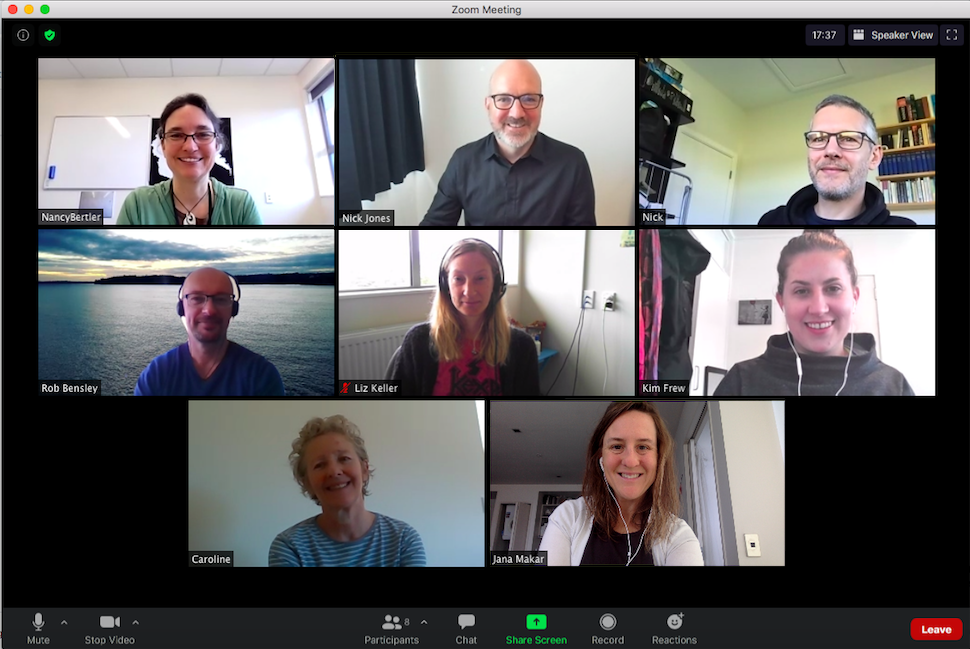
365 354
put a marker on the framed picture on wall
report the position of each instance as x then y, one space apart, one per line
754 312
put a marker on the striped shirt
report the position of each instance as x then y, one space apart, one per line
389 542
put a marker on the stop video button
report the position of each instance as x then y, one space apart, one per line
936 628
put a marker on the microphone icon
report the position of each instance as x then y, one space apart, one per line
38 621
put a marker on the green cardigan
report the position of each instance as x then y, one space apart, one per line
152 205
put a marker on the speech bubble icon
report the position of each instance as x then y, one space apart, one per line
466 620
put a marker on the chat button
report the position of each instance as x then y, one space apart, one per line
466 620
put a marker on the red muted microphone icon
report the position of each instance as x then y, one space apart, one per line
343 390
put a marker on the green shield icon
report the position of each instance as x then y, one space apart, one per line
49 34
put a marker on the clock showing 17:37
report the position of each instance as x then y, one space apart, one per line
825 35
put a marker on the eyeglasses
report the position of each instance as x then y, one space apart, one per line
848 140
222 300
504 102
202 137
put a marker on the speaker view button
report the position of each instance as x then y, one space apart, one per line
936 628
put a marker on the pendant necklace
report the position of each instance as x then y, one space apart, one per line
190 218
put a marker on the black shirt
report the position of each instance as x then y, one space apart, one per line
550 185
613 552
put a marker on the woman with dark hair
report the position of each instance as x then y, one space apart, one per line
191 140
468 348
628 512
819 355
330 463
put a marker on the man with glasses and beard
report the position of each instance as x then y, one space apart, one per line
842 148
516 176
209 364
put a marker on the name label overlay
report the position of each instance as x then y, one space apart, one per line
653 218
520 558
211 559
80 388
661 388
86 217
366 219
360 388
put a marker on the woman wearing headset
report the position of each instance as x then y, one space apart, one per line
628 513
190 140
820 355
468 348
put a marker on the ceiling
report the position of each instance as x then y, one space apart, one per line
551 449
755 83
153 68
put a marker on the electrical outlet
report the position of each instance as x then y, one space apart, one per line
269 198
752 545
609 302
588 299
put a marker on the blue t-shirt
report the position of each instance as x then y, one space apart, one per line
389 542
241 373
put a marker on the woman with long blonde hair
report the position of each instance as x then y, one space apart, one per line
468 347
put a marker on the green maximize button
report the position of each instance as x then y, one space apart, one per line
535 622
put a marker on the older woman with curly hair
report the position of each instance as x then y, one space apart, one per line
330 463
628 512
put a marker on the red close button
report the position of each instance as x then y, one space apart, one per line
936 628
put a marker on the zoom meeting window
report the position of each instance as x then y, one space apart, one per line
410 311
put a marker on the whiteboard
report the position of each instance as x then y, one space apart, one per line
99 153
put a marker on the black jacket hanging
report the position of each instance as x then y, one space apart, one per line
683 259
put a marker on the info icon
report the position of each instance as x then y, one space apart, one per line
23 35
49 35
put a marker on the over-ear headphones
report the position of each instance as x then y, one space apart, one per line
498 284
236 294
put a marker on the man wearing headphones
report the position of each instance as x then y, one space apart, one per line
209 364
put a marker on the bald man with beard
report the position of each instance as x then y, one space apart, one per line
209 364
516 176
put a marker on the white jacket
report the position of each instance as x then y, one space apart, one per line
571 524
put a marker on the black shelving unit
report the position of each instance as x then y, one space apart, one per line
676 107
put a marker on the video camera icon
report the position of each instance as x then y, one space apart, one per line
108 622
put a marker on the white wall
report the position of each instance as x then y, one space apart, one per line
773 163
429 471
558 265
527 493
588 104
270 133
903 262
756 474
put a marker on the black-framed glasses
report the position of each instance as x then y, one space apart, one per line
221 300
504 102
202 137
848 140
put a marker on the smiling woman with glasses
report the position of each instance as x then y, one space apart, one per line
191 140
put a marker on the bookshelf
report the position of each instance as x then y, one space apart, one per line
548 501
907 174
677 108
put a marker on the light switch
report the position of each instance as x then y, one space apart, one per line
752 545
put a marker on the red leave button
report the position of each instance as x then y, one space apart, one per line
936 628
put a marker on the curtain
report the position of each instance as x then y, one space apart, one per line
651 302
379 124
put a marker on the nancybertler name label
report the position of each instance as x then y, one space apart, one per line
58 388
523 558
663 388
70 217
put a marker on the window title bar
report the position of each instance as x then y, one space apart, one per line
464 10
